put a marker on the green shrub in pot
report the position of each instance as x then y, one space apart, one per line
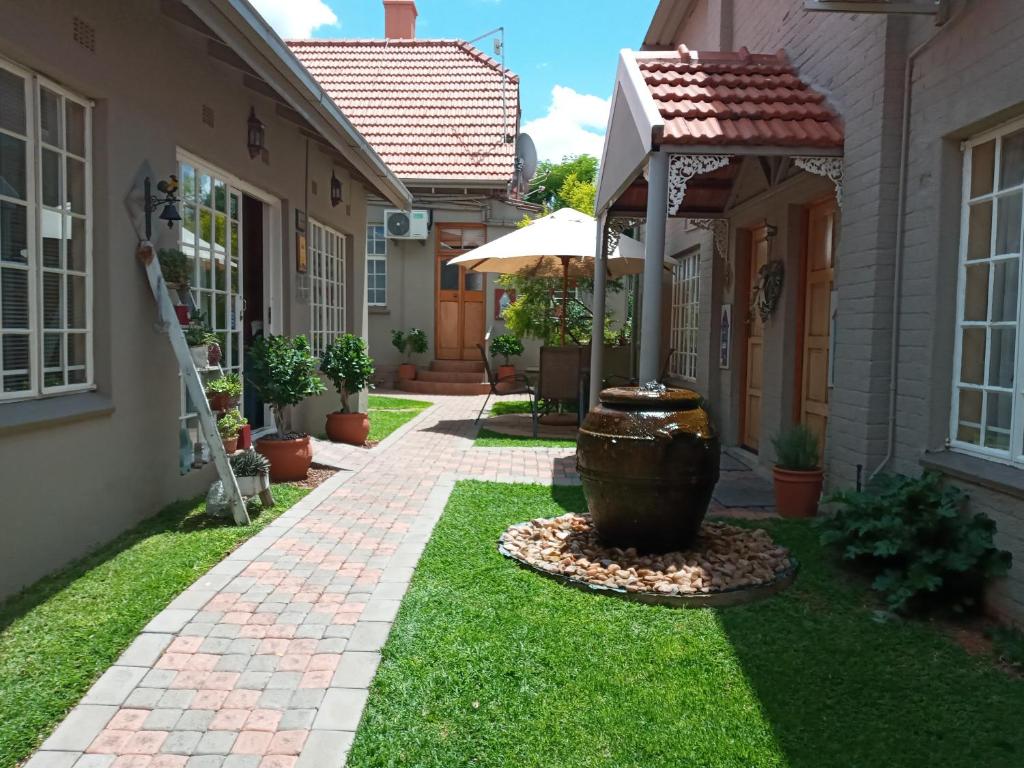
346 363
507 345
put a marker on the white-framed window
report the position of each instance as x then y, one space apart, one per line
376 266
685 310
987 413
46 339
327 285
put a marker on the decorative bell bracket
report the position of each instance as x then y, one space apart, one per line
829 167
682 168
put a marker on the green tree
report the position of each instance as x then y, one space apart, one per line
549 183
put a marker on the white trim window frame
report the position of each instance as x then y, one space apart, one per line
46 220
376 266
987 409
327 285
685 314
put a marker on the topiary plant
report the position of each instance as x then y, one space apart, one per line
348 366
796 449
507 345
413 342
398 341
912 536
283 371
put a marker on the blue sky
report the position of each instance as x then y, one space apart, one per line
565 51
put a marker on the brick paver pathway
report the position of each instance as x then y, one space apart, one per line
265 662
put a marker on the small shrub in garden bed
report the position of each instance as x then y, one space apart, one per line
912 535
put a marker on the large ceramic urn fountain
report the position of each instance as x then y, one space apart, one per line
648 458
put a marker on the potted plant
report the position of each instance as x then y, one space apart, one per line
252 472
797 475
348 366
174 267
224 392
199 337
413 342
283 371
229 425
507 345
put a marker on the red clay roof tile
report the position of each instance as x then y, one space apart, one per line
433 109
721 98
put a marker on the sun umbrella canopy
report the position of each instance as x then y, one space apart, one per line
558 245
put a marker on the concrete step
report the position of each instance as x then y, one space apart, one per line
460 366
442 387
454 377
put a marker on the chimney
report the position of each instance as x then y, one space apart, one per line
400 19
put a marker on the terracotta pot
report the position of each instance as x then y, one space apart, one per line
406 372
506 373
219 401
182 312
230 444
797 493
289 459
351 428
648 459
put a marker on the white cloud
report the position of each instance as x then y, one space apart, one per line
296 18
574 125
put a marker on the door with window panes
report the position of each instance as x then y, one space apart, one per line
460 316
987 409
211 241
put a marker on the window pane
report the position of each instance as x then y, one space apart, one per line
220 195
998 411
76 349
1001 354
49 118
979 239
76 376
983 163
76 302
188 183
1011 163
972 357
16 383
51 300
74 115
12 167
474 281
14 298
12 102
1005 281
1008 229
53 350
976 293
13 233
76 185
54 379
969 417
205 190
51 178
15 353
449 277
234 206
76 245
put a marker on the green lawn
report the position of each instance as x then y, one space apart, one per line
389 413
501 407
490 439
493 665
61 633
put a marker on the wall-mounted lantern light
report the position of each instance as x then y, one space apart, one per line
256 134
335 190
166 201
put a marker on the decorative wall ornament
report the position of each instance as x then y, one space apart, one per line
720 229
682 168
829 167
614 229
768 290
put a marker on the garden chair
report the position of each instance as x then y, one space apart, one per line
508 385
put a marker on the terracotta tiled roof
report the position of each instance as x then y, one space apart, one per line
729 98
433 109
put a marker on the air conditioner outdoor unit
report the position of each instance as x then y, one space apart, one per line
406 225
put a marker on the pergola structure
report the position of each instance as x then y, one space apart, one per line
681 122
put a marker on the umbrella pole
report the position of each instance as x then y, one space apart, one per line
565 293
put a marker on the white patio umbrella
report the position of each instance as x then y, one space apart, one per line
560 244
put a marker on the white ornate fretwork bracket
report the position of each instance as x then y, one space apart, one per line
682 168
830 167
720 229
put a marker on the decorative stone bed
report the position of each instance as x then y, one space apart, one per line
727 565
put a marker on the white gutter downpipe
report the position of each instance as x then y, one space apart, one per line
901 211
654 258
597 329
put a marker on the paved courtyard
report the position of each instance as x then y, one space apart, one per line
266 661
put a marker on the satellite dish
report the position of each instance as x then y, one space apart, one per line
526 159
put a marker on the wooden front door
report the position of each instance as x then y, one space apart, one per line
817 319
754 380
460 305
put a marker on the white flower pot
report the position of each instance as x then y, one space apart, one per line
200 356
253 485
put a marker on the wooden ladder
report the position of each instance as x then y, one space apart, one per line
168 323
